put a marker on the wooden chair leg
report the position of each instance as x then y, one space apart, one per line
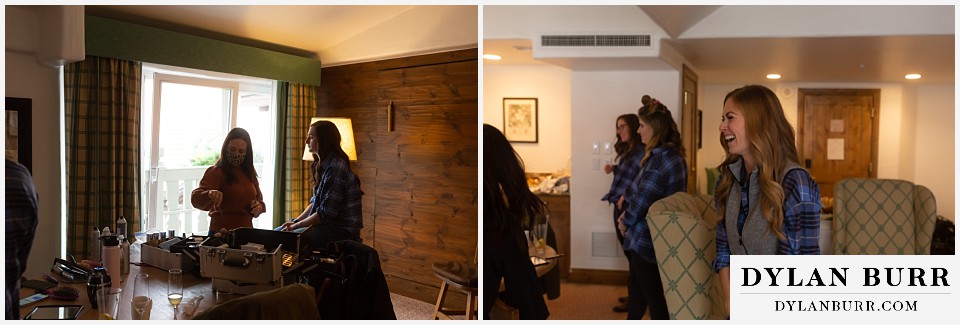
440 298
469 312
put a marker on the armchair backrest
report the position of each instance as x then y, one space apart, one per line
882 217
683 231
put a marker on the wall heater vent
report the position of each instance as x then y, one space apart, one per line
596 40
605 244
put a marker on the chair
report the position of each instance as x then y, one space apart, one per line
882 217
683 232
460 276
712 174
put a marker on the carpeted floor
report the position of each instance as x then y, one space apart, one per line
577 301
587 301
411 309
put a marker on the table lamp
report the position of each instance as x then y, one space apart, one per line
345 126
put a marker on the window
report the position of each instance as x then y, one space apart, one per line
186 115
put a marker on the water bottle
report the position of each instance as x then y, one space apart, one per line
111 258
95 245
124 256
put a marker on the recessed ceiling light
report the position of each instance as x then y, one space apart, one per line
773 76
492 57
912 76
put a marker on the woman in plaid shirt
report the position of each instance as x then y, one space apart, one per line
663 172
336 209
629 150
767 204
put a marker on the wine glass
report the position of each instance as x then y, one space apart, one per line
141 302
175 289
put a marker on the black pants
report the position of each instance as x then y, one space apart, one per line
616 229
324 234
645 290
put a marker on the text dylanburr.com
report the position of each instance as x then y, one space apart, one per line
844 287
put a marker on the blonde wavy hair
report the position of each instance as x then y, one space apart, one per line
772 144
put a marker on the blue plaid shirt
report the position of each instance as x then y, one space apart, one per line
337 199
624 174
664 174
801 217
20 212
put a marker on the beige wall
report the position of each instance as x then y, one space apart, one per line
551 86
26 77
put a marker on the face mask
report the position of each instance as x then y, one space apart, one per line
235 159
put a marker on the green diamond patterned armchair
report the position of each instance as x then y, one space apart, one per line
882 217
683 230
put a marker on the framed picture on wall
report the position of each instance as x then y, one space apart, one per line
520 119
17 133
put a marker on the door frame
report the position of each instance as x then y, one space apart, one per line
690 125
159 78
875 133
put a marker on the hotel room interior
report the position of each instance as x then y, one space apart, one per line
586 65
405 75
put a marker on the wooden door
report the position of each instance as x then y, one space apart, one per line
838 131
691 127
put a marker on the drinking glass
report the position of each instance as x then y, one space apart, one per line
538 234
109 302
175 289
141 303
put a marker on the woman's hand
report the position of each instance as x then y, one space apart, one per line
607 169
620 203
256 208
288 226
216 197
620 226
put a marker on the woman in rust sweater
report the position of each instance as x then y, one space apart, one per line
229 189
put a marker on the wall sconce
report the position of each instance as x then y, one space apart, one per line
345 126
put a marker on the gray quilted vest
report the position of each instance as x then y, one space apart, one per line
757 239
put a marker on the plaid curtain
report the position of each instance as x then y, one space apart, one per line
296 103
102 121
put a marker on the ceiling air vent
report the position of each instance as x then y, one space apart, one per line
595 40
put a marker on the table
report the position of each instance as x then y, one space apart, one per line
192 287
551 263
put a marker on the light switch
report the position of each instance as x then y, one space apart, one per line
596 148
607 148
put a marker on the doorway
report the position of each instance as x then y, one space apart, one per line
838 133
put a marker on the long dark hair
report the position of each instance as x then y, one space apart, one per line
665 132
621 147
508 202
328 145
772 144
246 165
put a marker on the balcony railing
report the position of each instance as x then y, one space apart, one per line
173 206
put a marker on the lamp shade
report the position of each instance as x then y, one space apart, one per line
345 126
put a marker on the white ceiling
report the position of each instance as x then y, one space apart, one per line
822 59
307 30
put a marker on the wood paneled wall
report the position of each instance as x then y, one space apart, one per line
420 178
